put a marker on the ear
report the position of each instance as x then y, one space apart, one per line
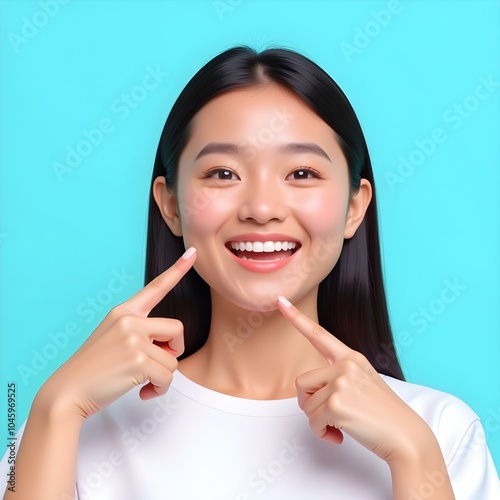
358 205
167 203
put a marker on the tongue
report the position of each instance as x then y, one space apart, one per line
263 255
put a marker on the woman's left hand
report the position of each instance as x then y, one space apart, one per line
350 396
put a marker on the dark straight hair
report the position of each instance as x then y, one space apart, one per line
351 299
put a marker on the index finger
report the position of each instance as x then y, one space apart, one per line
329 346
147 298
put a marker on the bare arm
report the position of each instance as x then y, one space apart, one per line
127 349
350 396
421 472
46 460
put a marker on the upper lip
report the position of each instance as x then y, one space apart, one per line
262 237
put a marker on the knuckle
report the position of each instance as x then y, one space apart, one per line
158 282
300 381
363 366
334 403
342 383
173 365
131 342
124 323
139 359
157 390
311 421
357 357
317 329
307 408
161 390
301 405
350 366
168 378
176 325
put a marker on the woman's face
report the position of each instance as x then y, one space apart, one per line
263 195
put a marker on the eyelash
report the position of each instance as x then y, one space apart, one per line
309 170
209 173
212 171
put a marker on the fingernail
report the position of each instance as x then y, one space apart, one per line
284 301
190 251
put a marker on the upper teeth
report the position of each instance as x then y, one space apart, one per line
263 246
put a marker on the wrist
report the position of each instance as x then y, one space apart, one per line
415 449
46 459
419 465
54 406
412 443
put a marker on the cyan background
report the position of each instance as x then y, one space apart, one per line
63 239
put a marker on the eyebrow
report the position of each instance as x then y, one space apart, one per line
234 149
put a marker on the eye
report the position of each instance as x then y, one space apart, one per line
222 174
303 173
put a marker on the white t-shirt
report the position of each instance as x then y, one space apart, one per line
195 443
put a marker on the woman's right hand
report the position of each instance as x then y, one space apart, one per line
125 350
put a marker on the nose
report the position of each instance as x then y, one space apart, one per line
263 202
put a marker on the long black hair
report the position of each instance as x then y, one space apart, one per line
351 299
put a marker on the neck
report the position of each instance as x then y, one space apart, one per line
250 354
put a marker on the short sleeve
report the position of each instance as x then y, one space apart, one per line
471 469
461 437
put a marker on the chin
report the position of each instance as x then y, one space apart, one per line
257 304
262 298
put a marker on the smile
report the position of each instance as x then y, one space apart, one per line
262 255
262 250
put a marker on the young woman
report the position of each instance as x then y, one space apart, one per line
209 383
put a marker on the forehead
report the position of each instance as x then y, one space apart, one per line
265 115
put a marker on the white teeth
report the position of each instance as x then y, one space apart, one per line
266 246
257 246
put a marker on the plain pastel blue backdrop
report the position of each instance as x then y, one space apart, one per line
88 84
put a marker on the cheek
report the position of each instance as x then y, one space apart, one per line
322 214
203 210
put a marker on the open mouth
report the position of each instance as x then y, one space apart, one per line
263 250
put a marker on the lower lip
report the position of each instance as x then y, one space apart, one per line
262 266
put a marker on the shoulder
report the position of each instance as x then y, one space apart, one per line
449 417
460 435
431 404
